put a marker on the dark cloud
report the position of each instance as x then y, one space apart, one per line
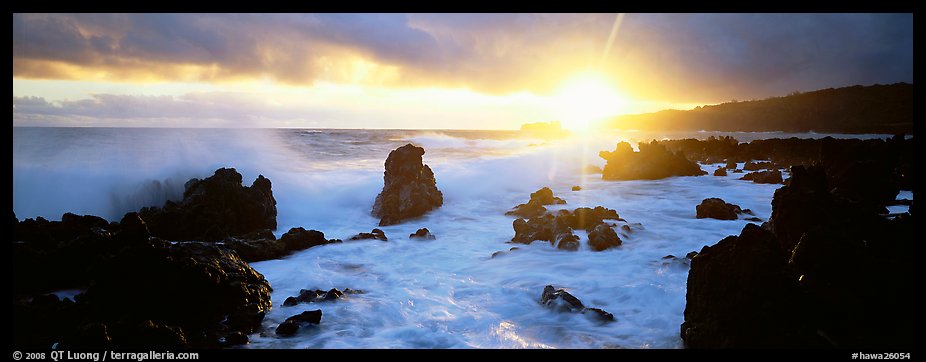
677 57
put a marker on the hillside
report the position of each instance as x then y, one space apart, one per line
855 109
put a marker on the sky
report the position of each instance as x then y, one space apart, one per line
430 71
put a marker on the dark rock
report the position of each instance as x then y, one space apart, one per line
691 255
731 165
561 301
215 208
587 218
149 334
287 328
237 339
534 207
292 324
763 177
603 237
422 233
133 228
313 296
799 206
183 287
376 234
626 228
720 171
741 295
300 239
753 219
577 188
599 315
715 208
751 166
409 188
652 162
270 248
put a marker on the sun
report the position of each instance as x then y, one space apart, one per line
587 98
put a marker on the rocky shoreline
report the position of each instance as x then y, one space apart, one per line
178 276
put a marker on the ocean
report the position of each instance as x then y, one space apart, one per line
443 293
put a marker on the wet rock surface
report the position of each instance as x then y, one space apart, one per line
375 234
562 301
409 187
291 325
422 234
215 208
716 208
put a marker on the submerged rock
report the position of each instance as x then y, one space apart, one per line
652 162
376 234
215 208
558 229
716 208
561 301
422 233
409 187
577 188
312 296
763 177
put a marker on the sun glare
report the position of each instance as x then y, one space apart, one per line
587 98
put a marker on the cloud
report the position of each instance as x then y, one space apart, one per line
678 57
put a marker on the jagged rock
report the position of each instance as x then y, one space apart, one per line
558 230
152 293
215 208
312 296
740 295
652 162
720 171
731 165
534 207
422 233
268 247
376 234
716 208
561 301
292 324
763 177
603 237
409 187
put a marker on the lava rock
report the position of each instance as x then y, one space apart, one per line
215 208
716 208
267 247
741 295
561 301
312 296
652 162
409 187
292 324
534 206
376 234
422 233
603 237
720 171
763 177
731 165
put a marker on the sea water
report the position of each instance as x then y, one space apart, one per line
443 293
